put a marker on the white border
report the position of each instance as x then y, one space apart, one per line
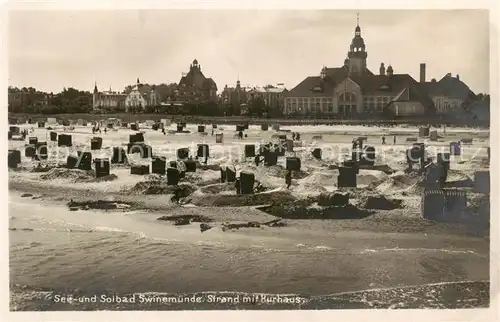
491 314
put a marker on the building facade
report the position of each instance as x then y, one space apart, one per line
137 99
273 96
353 91
108 101
194 87
450 95
235 99
20 99
140 97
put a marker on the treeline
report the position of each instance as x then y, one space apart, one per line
29 100
73 101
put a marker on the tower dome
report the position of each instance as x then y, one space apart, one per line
357 52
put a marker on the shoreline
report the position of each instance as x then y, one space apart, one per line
397 221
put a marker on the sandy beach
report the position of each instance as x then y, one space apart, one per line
383 258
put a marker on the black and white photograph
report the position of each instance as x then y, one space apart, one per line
245 159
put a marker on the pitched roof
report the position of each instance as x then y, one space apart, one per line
383 84
196 78
450 87
312 86
209 83
316 86
370 85
408 95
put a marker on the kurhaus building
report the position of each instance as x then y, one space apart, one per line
352 90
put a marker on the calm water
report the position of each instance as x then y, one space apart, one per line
55 253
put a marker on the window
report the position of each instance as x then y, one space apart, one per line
330 106
347 97
324 103
306 103
438 106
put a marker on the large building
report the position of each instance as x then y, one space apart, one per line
137 99
353 91
20 99
450 95
194 87
235 99
273 96
140 97
108 101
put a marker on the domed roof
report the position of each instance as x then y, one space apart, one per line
389 68
195 62
358 29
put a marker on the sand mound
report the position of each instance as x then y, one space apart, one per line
333 199
218 188
110 177
70 174
295 174
39 168
310 189
214 167
203 178
319 178
278 197
161 187
410 183
380 203
371 177
457 179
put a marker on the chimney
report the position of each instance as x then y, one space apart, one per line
382 69
422 72
458 77
390 71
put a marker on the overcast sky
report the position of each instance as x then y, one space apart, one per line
50 50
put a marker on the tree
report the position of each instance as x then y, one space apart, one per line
257 106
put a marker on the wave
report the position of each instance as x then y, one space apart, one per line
454 294
368 251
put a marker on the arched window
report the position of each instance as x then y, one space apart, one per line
347 97
446 106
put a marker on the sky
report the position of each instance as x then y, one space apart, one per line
50 50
